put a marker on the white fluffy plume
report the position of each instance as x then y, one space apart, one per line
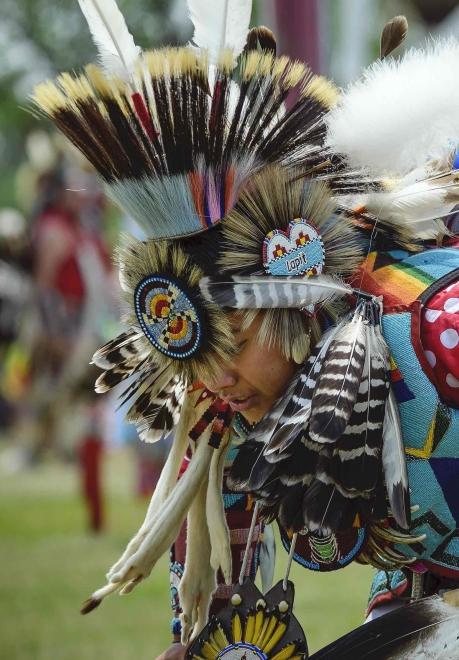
401 113
117 50
220 24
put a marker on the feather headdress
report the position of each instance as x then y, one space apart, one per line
183 144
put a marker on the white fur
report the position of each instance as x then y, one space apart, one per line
401 113
218 529
199 581
165 485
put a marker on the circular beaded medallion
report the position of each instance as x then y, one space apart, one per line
168 317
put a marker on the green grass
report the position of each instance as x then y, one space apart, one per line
49 565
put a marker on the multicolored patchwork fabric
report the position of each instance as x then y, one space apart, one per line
168 317
297 251
430 422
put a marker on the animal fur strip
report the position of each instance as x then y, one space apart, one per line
218 529
162 524
199 581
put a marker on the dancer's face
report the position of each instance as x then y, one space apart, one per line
255 377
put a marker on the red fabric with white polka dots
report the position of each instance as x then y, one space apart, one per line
440 340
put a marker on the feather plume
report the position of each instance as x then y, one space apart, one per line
393 34
394 465
117 50
220 24
263 292
420 122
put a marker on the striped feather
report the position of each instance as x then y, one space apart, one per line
356 459
156 415
292 422
263 292
338 382
108 355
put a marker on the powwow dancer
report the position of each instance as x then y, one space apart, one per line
265 226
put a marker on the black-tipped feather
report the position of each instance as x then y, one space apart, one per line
394 464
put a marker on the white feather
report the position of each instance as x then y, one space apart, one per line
220 24
401 113
266 292
417 207
394 463
117 50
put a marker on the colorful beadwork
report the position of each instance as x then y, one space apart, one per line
326 553
168 317
297 251
242 650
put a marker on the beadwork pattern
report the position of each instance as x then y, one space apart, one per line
297 251
168 317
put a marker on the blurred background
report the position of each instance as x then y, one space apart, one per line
74 479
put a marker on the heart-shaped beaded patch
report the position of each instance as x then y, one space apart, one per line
297 251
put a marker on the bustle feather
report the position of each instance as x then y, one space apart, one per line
329 476
294 419
220 24
117 50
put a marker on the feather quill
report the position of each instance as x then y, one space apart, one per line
263 292
118 52
394 464
220 24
